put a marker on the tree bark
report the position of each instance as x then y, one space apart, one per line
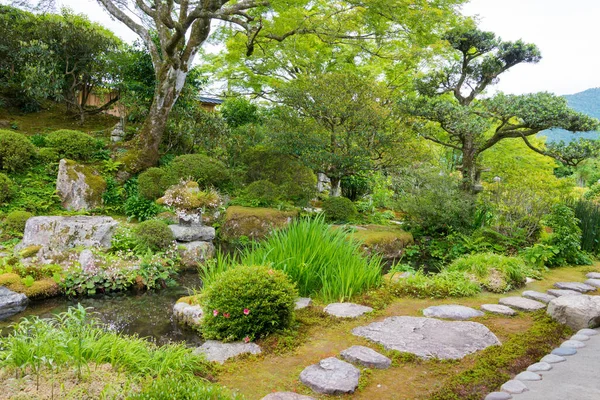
336 188
469 167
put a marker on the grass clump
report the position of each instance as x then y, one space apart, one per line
438 286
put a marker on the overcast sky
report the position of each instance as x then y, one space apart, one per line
566 31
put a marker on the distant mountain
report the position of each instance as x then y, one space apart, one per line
587 102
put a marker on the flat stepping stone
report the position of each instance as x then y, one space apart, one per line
286 396
553 359
528 376
575 344
452 311
366 357
514 387
576 286
593 275
220 352
331 376
564 351
539 367
593 282
303 302
429 337
538 296
521 303
580 338
563 292
498 396
587 332
498 309
347 310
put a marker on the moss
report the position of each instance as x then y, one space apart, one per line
95 182
9 280
191 300
40 289
387 241
30 251
254 223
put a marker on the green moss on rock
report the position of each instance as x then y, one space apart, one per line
387 241
253 223
40 289
30 251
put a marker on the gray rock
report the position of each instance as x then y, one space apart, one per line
220 352
564 351
303 302
578 312
593 275
528 376
498 309
346 310
552 359
79 187
521 303
11 303
538 296
429 337
452 311
498 396
331 376
514 387
588 332
195 253
188 314
593 282
87 261
61 233
563 292
575 344
539 367
580 338
529 280
367 357
576 286
117 133
286 396
193 233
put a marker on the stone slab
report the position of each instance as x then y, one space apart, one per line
563 292
452 311
286 396
498 396
553 359
528 376
366 357
587 332
331 376
540 367
429 337
220 352
514 387
498 309
193 233
346 310
564 351
593 275
593 282
521 303
575 344
303 302
538 296
581 338
11 303
576 286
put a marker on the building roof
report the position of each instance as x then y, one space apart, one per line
210 100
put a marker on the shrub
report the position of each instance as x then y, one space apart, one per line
15 221
588 214
177 387
439 286
16 151
6 188
48 155
154 235
141 209
565 237
153 182
200 168
248 303
494 272
262 193
339 209
71 144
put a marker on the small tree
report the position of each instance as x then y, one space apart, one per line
450 111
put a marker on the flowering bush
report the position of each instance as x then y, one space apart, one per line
246 303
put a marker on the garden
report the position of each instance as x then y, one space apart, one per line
155 247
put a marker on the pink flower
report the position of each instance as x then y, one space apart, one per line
270 272
246 339
215 312
226 315
246 311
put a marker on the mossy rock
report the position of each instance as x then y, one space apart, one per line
191 300
40 289
253 223
30 251
79 186
387 241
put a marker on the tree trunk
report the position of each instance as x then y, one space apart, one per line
469 168
336 188
145 147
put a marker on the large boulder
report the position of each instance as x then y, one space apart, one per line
11 303
61 233
79 187
578 312
253 223
194 253
192 233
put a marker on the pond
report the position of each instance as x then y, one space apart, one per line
148 314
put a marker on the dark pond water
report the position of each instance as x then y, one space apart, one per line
148 314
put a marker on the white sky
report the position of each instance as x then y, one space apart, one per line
566 31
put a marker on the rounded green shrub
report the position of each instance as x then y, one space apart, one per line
6 188
153 182
339 209
15 221
48 155
248 303
154 235
262 193
72 144
16 151
200 168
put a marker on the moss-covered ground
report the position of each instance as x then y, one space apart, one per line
285 357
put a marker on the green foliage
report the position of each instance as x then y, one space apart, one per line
180 388
15 222
16 151
200 168
48 155
74 145
6 188
439 286
495 273
339 209
565 237
588 214
248 302
124 240
262 193
154 235
239 111
153 182
141 209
